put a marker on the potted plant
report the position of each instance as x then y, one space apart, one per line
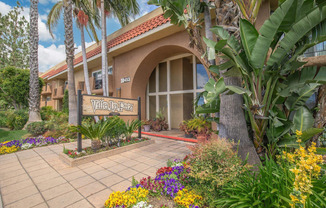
184 126
159 123
202 128
146 125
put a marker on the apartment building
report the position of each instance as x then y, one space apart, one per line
150 58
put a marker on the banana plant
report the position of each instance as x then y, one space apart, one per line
268 63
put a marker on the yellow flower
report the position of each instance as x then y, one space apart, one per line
298 133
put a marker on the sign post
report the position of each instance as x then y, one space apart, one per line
93 105
79 119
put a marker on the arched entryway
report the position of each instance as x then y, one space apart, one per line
170 78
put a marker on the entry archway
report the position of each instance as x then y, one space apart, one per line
174 93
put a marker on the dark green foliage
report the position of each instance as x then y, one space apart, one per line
14 84
65 102
3 119
37 128
47 112
17 119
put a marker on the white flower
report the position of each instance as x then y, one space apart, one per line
142 204
26 146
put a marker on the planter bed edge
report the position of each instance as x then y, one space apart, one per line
73 162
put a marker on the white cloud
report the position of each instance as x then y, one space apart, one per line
50 56
78 49
53 55
4 8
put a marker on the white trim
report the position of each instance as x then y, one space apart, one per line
157 76
147 102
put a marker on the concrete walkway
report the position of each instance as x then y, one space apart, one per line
37 178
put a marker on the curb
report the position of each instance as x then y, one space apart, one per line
169 137
73 162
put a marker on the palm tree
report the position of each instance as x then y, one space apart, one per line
122 10
34 86
82 11
69 44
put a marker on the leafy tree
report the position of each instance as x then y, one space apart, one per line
14 86
267 60
14 41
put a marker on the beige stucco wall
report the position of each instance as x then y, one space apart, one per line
139 63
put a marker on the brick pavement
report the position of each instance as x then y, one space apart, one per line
37 178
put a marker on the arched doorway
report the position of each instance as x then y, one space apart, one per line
173 86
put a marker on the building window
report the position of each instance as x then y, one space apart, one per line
317 50
98 77
48 98
173 86
202 77
66 84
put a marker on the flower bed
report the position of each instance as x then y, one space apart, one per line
214 176
167 189
74 159
16 145
89 151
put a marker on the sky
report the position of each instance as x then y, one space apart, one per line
52 51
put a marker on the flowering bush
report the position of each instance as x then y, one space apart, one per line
163 170
153 186
187 199
15 145
126 198
305 169
8 147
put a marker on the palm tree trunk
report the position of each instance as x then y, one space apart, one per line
104 51
233 123
232 120
208 25
34 86
69 44
86 75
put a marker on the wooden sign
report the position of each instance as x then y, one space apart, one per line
108 106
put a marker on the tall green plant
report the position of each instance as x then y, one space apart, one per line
130 127
267 61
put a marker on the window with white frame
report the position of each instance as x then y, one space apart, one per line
98 77
173 86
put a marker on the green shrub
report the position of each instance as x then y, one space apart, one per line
3 119
270 187
213 164
36 128
65 102
46 112
17 119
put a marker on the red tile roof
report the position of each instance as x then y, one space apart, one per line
136 31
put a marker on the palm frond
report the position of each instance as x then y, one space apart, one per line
54 16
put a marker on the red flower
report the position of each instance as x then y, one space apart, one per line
69 153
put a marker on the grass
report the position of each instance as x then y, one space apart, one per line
11 135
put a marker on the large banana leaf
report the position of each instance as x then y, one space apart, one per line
291 141
296 100
267 33
303 119
249 35
298 31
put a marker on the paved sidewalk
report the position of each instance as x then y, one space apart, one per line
37 178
